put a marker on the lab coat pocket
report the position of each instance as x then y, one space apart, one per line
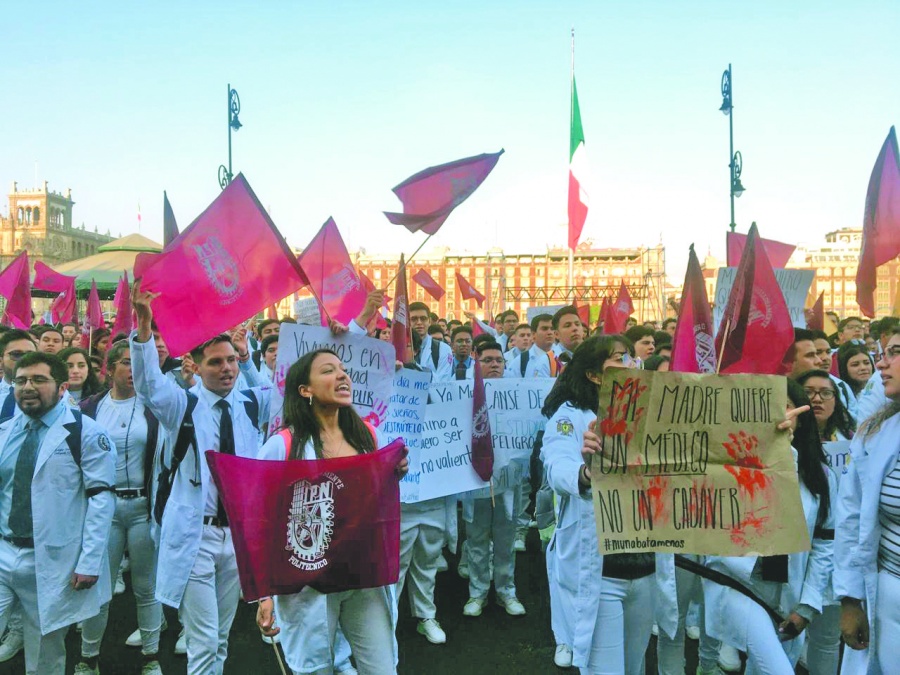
178 526
64 554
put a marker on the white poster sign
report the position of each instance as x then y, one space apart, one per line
794 285
306 311
405 419
837 453
532 312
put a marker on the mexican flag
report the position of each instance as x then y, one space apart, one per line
578 199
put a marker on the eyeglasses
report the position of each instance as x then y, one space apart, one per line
458 341
824 394
36 380
890 353
853 326
16 355
487 360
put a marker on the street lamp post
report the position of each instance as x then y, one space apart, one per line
234 107
735 161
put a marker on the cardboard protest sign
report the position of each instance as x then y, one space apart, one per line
837 453
405 418
794 285
369 362
695 464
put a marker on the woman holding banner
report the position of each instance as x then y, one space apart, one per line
867 554
603 606
796 583
320 423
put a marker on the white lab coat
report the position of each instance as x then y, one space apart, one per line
538 364
303 616
576 560
70 530
858 532
182 522
871 399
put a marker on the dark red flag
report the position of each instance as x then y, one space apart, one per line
15 286
426 281
756 327
693 348
779 253
604 311
881 223
333 524
468 291
617 314
431 195
170 227
226 265
400 336
584 313
816 317
482 440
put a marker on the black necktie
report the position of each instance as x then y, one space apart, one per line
21 522
226 445
460 371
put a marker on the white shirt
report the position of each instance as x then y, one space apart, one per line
126 425
538 364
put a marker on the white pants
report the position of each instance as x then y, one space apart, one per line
823 642
488 524
561 611
887 623
623 626
210 602
44 654
766 654
422 534
670 651
131 526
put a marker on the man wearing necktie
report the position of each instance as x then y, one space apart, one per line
57 472
14 344
197 570
461 344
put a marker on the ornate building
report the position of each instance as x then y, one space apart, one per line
40 221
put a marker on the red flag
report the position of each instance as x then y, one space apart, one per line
482 441
170 227
272 312
124 322
816 317
15 286
226 265
93 317
429 284
584 313
62 309
400 336
881 223
604 310
333 524
778 252
467 290
617 314
756 327
431 195
693 347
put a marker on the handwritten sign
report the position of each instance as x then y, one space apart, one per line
695 464
306 311
369 362
837 453
405 419
794 285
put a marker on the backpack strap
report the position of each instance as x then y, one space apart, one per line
523 361
73 440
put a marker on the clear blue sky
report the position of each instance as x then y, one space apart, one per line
342 100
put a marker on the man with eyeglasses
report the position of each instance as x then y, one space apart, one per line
52 549
872 398
433 356
851 328
461 344
14 344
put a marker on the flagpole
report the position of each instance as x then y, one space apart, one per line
571 121
722 350
408 260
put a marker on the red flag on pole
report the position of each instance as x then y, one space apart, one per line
15 286
778 252
881 223
584 313
693 348
226 265
400 336
93 318
331 275
426 281
482 440
124 322
604 311
756 329
430 196
62 309
170 227
816 318
468 291
333 524
617 314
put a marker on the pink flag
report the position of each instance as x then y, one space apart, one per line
124 322
426 281
62 309
756 328
482 440
881 223
93 318
331 275
220 270
400 335
816 318
778 252
618 313
333 524
693 348
15 286
468 291
431 195
170 227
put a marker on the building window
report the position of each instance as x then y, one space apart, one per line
36 215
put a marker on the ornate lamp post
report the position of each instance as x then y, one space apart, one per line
735 161
234 107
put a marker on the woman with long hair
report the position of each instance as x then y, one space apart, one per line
867 555
855 366
100 339
83 380
833 420
601 606
797 582
320 423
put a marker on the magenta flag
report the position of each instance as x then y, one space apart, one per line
756 327
333 524
881 223
779 253
124 322
693 347
331 275
62 309
15 286
618 312
430 196
170 227
93 317
482 440
400 336
426 281
226 265
468 291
